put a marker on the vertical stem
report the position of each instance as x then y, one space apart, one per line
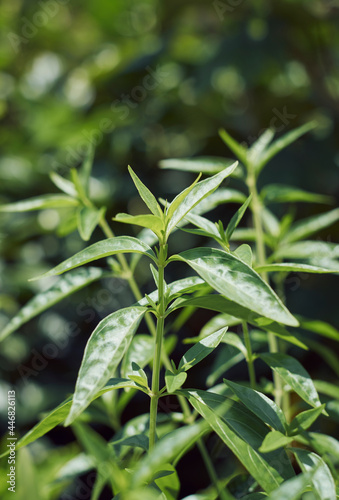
250 364
222 494
157 347
261 254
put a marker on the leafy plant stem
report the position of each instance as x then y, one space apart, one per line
261 256
158 346
211 470
250 359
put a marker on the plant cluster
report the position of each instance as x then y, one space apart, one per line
240 276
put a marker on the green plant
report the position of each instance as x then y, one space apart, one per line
258 430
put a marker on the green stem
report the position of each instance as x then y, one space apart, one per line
261 255
158 346
250 359
222 494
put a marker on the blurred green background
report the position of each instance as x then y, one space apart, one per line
145 80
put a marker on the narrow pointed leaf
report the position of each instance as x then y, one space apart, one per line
294 267
273 441
174 380
304 420
282 143
234 222
203 223
104 248
257 149
294 374
202 349
219 197
244 253
321 443
239 150
261 405
236 281
307 250
293 488
209 165
146 194
331 390
104 351
140 351
63 184
64 287
322 480
152 222
281 193
88 219
306 227
40 203
320 327
180 206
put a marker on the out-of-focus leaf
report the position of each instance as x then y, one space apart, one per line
40 203
64 287
320 327
86 168
327 388
281 193
304 420
311 225
104 248
63 184
307 250
239 150
322 480
234 222
104 351
293 488
181 205
259 147
244 253
294 267
235 280
270 223
209 165
261 405
140 351
322 443
88 219
202 349
294 374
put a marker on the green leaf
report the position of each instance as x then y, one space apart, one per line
104 248
261 468
320 327
261 405
209 165
237 281
294 267
146 194
88 219
321 443
189 198
174 380
86 168
217 322
220 197
259 147
322 480
281 193
304 420
104 351
169 483
40 203
201 222
273 441
140 351
64 287
239 151
244 253
271 223
202 349
307 250
293 488
306 227
234 222
63 184
152 222
167 449
281 144
327 388
294 374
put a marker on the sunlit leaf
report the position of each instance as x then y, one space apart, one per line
281 193
209 165
63 184
146 194
304 420
234 222
152 222
293 267
322 480
273 441
88 219
311 225
40 203
174 380
202 349
239 150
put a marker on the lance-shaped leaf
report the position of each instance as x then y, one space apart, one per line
281 143
146 194
104 351
104 248
238 149
140 351
308 250
273 441
237 281
234 222
88 218
40 203
261 468
320 327
152 222
304 420
322 480
280 193
294 374
181 205
259 147
306 227
63 184
209 165
321 443
64 287
261 405
202 349
293 488
294 267
174 380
